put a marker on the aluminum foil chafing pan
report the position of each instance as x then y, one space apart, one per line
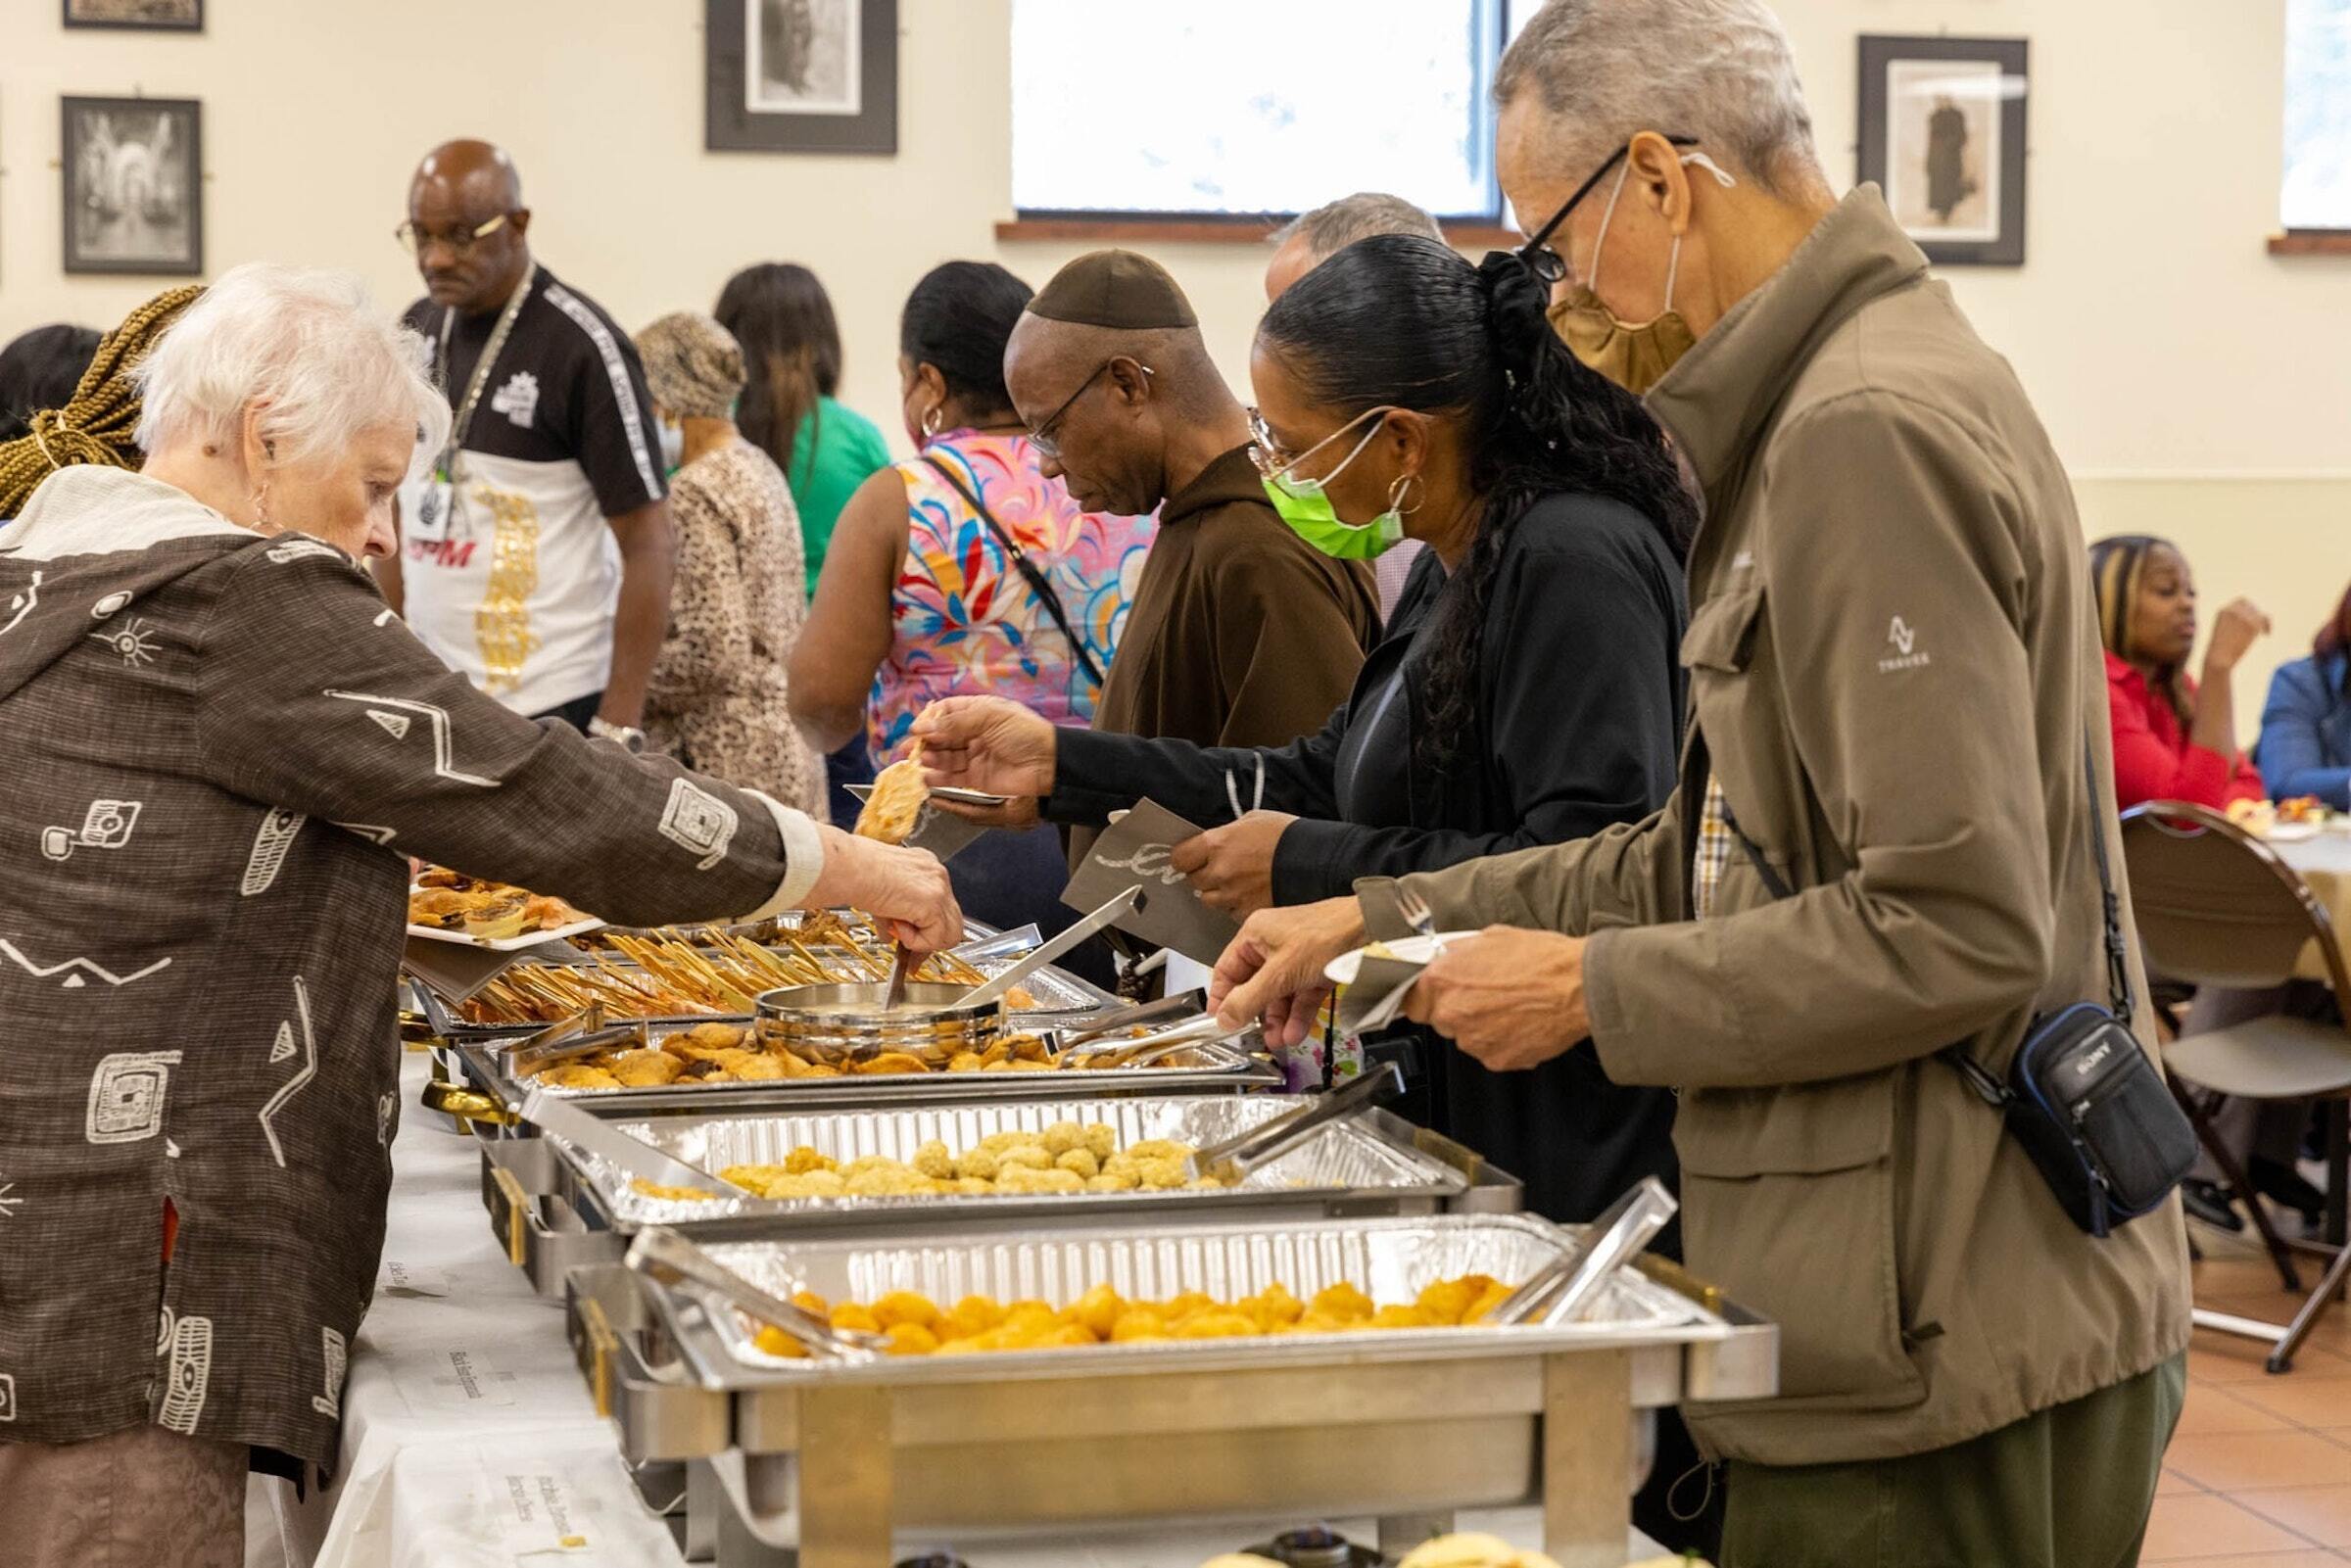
1367 1165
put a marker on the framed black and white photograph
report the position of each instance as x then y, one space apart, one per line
1943 132
144 15
134 186
801 76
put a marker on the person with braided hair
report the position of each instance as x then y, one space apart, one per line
100 423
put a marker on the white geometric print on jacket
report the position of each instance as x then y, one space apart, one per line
190 1373
698 821
330 1403
75 969
106 825
10 1203
134 642
281 1048
126 1096
8 1398
21 604
395 725
270 846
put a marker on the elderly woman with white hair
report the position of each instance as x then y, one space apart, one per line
225 748
1883 868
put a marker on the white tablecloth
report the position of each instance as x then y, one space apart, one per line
469 1439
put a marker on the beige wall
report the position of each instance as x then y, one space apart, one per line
2195 385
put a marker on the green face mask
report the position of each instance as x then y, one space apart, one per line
1305 505
1311 519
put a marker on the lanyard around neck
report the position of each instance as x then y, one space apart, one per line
482 366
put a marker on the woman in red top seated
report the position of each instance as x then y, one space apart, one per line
2174 739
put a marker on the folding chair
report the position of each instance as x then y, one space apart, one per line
2216 906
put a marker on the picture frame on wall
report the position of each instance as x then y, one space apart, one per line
142 16
800 75
1942 133
134 186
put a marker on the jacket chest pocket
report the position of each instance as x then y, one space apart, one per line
1788 1203
1735 702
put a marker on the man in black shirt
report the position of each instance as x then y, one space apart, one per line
536 556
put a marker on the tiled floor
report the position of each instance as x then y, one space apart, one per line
2259 1475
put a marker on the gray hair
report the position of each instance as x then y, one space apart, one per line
1334 225
304 340
1717 70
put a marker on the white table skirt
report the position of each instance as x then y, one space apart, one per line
469 1439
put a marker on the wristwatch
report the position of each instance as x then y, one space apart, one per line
626 735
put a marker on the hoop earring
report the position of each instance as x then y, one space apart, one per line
261 505
1396 494
931 421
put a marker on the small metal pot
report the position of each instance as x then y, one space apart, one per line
845 1023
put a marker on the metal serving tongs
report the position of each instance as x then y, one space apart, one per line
584 1033
1235 1158
1109 914
1182 1005
660 1253
549 1112
1562 1290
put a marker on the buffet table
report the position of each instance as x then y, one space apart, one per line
469 1438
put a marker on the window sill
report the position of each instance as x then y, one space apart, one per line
1210 231
2312 242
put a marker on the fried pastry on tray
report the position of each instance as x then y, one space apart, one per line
978 1324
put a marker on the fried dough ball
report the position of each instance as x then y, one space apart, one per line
1448 1300
1032 1155
775 1341
970 1317
803 1159
579 1076
1492 1297
1226 1325
910 1339
1110 1184
1061 1137
981 1163
1405 1318
1024 1181
892 1181
1100 1310
1186 1304
850 1316
1101 1140
1342 1300
1161 1175
1080 1160
810 1301
933 1160
907 1306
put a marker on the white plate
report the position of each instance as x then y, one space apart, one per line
2291 832
507 944
1341 970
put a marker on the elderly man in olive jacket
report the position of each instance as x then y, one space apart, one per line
1894 674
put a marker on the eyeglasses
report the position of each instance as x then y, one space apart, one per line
414 237
1274 464
1544 261
1042 436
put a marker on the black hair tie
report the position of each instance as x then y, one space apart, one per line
1518 311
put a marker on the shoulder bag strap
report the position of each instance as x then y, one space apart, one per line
1039 583
2110 910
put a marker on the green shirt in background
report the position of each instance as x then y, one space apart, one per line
847 450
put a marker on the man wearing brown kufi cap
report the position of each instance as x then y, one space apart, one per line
1240 633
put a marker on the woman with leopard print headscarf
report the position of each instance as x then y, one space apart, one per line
718 698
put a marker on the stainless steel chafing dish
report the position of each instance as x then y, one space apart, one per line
553 1209
827 1458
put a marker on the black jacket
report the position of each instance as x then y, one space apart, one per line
1578 723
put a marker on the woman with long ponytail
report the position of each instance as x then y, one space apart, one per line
1528 692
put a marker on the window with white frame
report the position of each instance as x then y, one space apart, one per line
2317 193
1230 109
